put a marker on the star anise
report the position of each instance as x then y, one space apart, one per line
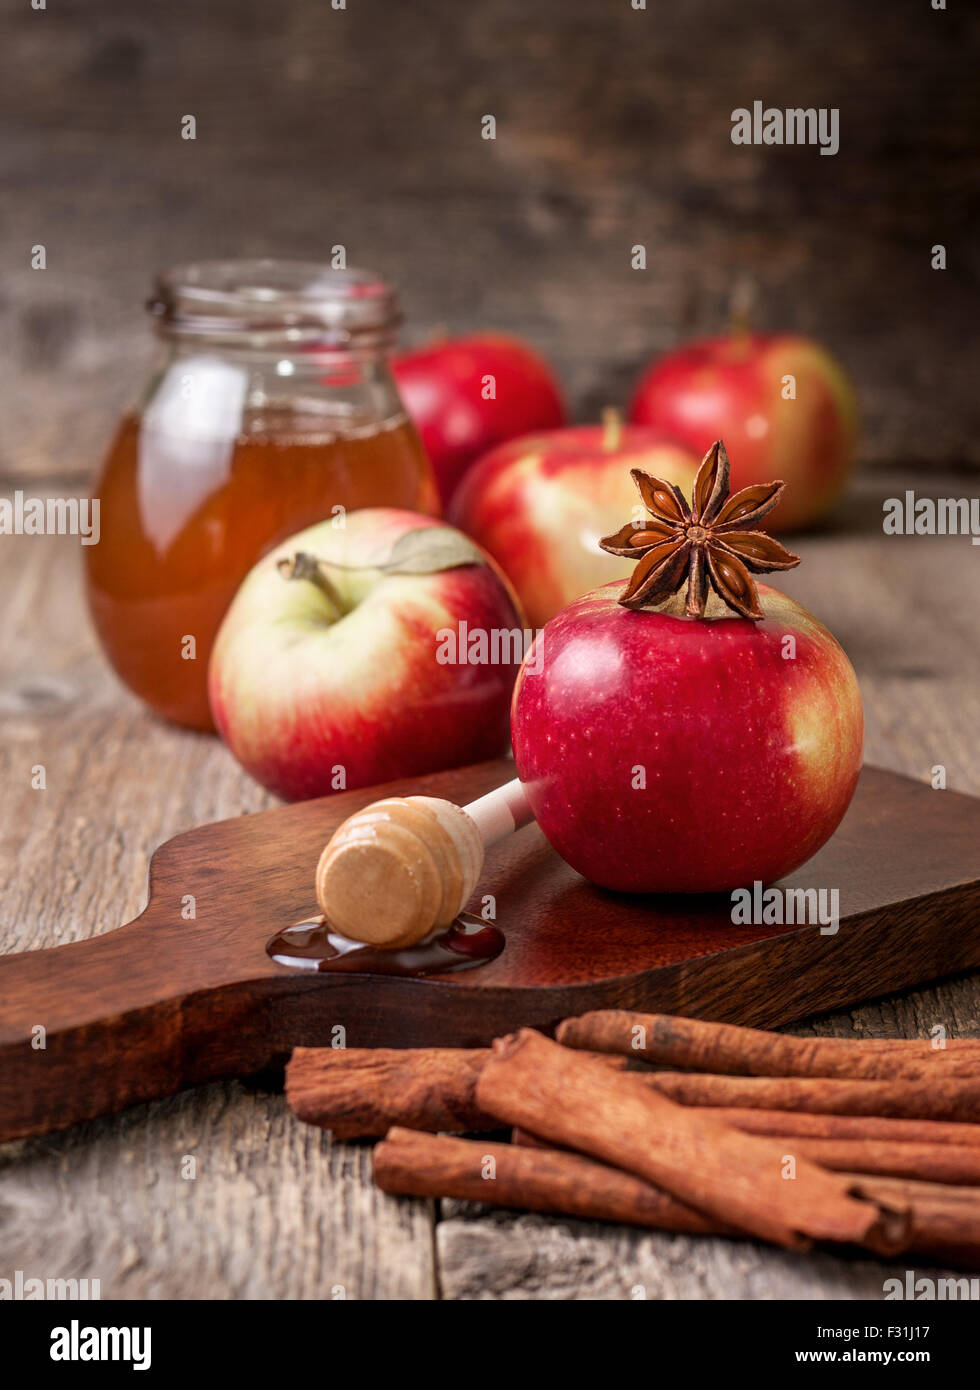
712 542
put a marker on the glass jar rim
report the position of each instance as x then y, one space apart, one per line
264 301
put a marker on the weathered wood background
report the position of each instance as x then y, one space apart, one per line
362 126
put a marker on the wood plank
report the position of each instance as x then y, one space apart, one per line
485 1255
273 1210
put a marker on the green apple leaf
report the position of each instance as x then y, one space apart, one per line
430 549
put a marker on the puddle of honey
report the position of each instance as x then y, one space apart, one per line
311 945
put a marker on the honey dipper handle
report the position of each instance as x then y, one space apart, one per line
500 812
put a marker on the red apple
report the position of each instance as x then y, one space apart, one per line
540 504
359 674
467 394
736 388
662 753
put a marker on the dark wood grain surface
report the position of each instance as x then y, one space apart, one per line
361 127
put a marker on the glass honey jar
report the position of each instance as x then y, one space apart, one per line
272 407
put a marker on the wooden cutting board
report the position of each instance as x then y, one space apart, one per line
165 1002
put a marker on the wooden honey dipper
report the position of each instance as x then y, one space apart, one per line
405 866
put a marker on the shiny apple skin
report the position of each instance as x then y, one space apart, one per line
751 759
295 694
730 388
540 504
442 387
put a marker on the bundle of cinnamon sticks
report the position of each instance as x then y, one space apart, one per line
678 1125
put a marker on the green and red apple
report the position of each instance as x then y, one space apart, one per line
540 504
344 661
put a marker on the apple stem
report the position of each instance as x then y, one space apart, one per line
612 425
302 565
741 309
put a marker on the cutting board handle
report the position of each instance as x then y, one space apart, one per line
93 1026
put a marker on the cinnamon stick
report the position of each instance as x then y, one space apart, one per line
950 1099
945 1221
736 1178
925 1163
941 1163
922 1162
945 1224
412 1164
723 1047
361 1092
806 1125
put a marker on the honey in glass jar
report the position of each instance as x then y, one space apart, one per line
273 408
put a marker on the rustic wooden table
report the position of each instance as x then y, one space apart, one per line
277 1210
